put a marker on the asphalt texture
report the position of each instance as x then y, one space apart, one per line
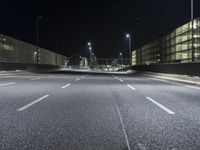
97 111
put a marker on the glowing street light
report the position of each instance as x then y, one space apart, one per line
121 57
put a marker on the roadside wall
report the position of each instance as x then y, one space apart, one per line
25 66
192 69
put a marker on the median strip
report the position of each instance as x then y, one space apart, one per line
66 85
32 103
161 106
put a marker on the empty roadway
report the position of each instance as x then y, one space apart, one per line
84 111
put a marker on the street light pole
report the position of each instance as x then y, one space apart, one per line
192 20
90 50
37 42
121 56
129 40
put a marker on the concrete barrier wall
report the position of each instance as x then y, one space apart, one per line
16 51
25 66
192 69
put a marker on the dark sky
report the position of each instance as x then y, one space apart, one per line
104 22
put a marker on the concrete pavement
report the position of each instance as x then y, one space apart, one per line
97 111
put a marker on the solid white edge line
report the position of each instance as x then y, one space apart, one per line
130 87
32 103
192 87
66 85
3 77
5 84
122 124
161 106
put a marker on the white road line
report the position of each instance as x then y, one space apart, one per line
173 82
161 106
3 77
122 124
164 80
35 79
66 85
5 84
77 79
193 87
32 103
121 80
130 87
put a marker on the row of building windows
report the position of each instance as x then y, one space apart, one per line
175 46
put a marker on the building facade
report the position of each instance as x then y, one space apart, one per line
174 47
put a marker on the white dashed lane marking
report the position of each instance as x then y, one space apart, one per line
32 103
77 79
35 79
130 87
161 106
66 86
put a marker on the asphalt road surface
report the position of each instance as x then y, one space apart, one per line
97 112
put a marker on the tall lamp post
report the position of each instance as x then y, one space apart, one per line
192 20
128 36
37 42
121 57
90 50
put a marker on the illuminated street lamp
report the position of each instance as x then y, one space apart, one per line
89 44
128 36
35 56
90 49
121 57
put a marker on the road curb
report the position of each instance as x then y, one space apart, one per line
173 79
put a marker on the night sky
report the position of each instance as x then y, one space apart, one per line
103 22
